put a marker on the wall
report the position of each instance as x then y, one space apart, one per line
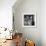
28 6
6 13
43 22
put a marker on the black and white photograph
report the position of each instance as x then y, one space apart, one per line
29 20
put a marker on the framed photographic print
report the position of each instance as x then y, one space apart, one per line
29 20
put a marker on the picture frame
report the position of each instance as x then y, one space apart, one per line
29 19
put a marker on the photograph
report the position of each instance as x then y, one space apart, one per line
29 20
